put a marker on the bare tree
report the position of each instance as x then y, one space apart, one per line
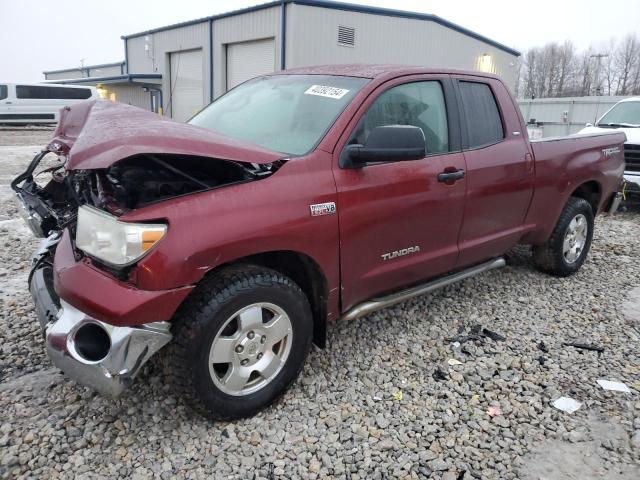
627 59
559 70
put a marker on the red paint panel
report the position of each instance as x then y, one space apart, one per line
107 299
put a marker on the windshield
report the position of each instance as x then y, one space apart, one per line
284 113
626 114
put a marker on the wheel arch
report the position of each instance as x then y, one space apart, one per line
591 191
304 271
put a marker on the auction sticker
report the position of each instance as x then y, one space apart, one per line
324 91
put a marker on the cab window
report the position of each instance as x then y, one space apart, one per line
482 117
420 104
3 92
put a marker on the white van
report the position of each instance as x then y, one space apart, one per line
39 102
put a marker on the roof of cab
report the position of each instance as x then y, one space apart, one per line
365 70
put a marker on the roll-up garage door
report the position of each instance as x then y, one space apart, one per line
187 87
246 60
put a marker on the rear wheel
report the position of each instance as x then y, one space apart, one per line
567 248
239 342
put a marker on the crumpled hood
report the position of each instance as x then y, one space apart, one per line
101 132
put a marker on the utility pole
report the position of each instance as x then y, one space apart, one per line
598 57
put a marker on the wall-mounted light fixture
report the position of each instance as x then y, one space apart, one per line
485 63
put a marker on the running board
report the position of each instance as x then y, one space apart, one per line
383 302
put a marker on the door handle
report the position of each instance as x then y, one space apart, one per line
450 177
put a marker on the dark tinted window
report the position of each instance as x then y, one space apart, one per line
420 104
3 92
482 117
44 92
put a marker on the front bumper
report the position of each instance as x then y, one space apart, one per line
96 354
129 348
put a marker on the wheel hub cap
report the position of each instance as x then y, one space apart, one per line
250 349
575 238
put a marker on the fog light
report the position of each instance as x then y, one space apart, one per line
92 342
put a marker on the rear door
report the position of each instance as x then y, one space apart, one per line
500 174
398 223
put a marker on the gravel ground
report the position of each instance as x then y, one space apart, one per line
383 401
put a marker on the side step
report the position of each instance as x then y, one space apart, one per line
383 302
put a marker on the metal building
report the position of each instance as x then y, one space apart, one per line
181 68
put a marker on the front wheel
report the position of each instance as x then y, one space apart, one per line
240 340
567 248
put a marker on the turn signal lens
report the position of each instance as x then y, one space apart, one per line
150 238
117 243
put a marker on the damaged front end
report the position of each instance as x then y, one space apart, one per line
94 352
129 184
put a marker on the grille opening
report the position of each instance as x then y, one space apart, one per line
632 157
92 342
346 36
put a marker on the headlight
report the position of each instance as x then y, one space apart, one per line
117 243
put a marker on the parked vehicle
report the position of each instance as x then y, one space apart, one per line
296 199
22 103
624 116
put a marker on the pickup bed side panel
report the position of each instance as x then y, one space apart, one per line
562 165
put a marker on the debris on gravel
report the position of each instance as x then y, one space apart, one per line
370 405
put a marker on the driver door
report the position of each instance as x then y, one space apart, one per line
399 223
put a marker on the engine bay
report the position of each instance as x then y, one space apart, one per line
128 184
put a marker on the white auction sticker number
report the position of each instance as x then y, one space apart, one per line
324 91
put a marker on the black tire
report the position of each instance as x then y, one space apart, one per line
550 257
186 360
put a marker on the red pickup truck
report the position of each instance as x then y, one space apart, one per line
296 199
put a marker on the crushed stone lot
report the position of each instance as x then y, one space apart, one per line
393 396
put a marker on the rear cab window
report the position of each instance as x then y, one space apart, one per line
482 120
44 92
3 92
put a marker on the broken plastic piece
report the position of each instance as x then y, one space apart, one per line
439 374
566 404
476 332
584 346
398 395
543 347
615 386
496 337
452 362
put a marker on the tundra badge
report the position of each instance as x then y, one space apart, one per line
400 253
317 209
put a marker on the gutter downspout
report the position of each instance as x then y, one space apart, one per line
211 60
126 56
283 34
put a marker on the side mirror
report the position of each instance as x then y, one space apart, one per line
390 143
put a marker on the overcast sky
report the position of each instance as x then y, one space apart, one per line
37 35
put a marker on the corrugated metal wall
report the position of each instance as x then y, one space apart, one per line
312 39
155 59
130 95
565 116
64 75
109 71
260 24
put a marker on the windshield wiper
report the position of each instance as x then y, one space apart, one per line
617 125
